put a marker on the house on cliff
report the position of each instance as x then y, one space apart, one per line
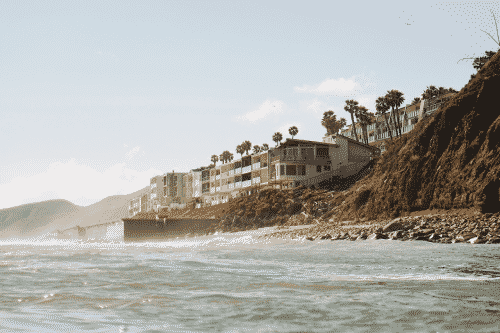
293 163
409 116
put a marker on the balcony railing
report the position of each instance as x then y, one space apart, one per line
231 186
237 171
212 190
256 180
217 189
231 172
247 169
247 183
217 177
237 184
256 166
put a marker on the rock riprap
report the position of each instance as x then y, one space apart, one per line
438 228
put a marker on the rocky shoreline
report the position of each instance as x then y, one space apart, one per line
437 228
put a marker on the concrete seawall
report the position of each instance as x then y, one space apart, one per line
141 230
112 231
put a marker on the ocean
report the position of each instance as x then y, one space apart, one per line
241 283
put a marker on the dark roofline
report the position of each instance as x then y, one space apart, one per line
298 141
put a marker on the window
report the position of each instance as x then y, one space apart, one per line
282 170
318 168
291 170
326 168
322 152
301 170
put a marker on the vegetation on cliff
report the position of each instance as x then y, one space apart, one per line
450 160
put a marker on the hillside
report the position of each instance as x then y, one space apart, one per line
26 218
449 161
49 216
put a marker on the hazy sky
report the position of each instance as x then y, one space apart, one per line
99 96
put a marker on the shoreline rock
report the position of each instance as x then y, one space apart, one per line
437 228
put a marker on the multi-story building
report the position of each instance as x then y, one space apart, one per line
139 204
409 115
174 190
134 206
155 194
294 163
193 181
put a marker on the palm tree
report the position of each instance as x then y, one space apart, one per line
265 146
230 156
214 159
395 99
246 145
430 92
365 119
293 131
331 123
277 137
221 158
256 149
382 107
225 156
351 107
240 150
416 100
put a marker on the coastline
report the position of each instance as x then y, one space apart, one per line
458 226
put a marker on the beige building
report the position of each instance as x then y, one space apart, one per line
174 190
409 117
294 163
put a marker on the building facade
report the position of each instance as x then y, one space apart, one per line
409 115
155 194
294 163
174 189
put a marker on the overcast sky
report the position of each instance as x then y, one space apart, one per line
97 97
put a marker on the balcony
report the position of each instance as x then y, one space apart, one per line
246 169
256 180
237 184
231 172
217 189
230 186
256 166
237 171
217 177
247 183
212 190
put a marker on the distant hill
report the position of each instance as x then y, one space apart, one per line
25 218
48 216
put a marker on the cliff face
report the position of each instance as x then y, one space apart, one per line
451 160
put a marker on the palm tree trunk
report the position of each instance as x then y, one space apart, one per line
354 126
388 127
399 123
393 113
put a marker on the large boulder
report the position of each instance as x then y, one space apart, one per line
377 235
397 224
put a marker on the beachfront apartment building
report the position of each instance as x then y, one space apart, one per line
155 194
409 116
293 163
138 204
174 190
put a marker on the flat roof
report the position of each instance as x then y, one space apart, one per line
289 142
